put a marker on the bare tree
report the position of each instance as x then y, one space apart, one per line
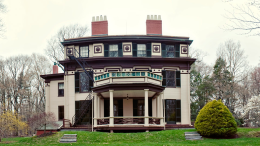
40 120
245 18
2 10
55 49
236 60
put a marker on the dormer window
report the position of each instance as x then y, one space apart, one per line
83 51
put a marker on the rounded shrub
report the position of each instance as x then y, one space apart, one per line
215 120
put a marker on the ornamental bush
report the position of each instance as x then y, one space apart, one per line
215 120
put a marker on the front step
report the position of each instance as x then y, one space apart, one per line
192 136
68 138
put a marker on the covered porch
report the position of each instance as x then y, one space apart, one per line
128 106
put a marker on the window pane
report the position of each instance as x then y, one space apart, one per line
170 51
84 82
61 85
170 74
113 50
141 50
84 51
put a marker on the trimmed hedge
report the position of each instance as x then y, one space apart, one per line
215 120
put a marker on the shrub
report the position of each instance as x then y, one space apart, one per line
215 120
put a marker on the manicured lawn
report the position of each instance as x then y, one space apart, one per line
168 137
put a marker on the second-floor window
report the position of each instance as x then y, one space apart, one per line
60 89
141 50
170 51
82 82
83 51
171 78
113 50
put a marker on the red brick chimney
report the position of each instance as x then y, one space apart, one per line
99 26
55 68
154 25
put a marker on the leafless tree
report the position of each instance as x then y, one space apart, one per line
55 49
245 18
2 10
41 120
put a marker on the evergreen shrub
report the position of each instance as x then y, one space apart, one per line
215 120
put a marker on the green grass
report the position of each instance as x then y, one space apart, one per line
168 137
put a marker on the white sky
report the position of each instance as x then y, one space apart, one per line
30 23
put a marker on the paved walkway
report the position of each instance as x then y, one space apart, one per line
193 136
68 138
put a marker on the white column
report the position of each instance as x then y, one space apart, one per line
98 106
95 109
185 98
161 108
111 120
158 106
47 89
146 121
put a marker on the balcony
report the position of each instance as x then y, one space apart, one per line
128 77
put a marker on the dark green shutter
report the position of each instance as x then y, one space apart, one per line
120 107
106 108
106 50
163 50
150 109
135 102
90 81
177 50
148 50
76 81
164 78
178 79
120 50
178 110
134 49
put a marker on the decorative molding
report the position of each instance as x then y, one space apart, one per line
127 47
97 49
69 51
184 49
156 49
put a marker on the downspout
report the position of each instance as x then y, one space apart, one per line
163 112
92 109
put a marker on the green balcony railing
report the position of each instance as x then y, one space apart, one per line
128 74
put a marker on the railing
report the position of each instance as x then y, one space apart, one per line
129 74
66 123
128 120
83 109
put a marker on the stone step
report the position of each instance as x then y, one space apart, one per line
70 135
68 140
192 134
194 139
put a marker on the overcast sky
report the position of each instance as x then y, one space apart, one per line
30 24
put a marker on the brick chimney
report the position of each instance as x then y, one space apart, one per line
99 26
55 68
154 25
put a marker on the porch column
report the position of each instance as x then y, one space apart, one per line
111 120
95 109
98 106
161 108
158 106
146 121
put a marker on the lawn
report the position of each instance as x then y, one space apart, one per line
248 136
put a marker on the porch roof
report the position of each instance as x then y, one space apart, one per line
129 86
